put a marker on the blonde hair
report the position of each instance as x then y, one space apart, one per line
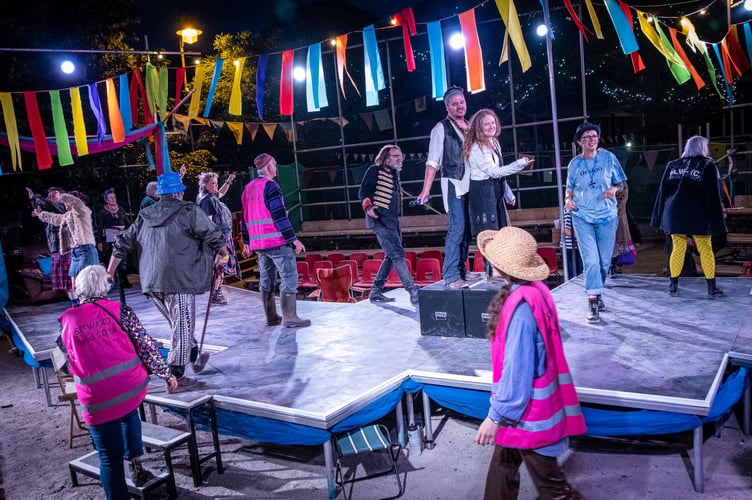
474 133
205 178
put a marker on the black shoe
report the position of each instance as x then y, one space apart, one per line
139 475
713 290
601 305
378 296
593 313
673 287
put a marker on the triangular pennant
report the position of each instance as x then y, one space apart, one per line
184 121
650 157
368 120
269 128
383 121
237 130
252 129
287 127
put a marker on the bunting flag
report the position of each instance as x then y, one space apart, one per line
44 160
575 19
260 82
368 119
252 129
285 83
152 87
476 81
679 70
113 111
218 64
438 63
182 122
699 83
79 128
508 13
269 128
237 130
149 157
137 88
622 25
406 19
96 109
723 72
372 62
315 85
652 35
162 95
125 104
179 82
748 39
287 128
236 97
594 19
637 64
196 97
727 69
9 115
697 45
61 132
341 43
741 63
383 121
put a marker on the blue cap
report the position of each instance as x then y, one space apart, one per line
169 183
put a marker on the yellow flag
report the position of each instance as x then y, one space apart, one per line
236 97
196 97
655 39
79 128
11 129
508 13
594 19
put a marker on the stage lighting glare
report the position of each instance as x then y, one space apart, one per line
299 74
67 67
541 30
457 41
748 4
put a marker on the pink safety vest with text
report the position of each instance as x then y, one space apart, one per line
262 233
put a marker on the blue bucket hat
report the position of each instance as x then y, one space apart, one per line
169 183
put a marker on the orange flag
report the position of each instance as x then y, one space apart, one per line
113 110
473 55
683 55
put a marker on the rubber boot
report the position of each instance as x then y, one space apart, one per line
270 309
713 290
593 312
138 474
289 312
673 287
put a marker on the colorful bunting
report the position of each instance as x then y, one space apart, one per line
218 64
61 132
79 128
125 104
163 153
285 84
96 108
575 19
252 129
748 39
476 81
237 130
260 82
236 97
9 115
438 63
269 128
137 88
723 72
372 61
113 111
594 19
699 83
162 93
508 13
315 84
179 81
196 97
341 44
736 54
623 27
637 63
152 87
406 19
44 160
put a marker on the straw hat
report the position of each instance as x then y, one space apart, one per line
513 251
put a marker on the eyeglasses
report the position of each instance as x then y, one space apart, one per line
589 137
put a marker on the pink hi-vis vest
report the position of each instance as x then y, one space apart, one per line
553 411
111 381
262 233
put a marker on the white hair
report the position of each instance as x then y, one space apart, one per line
205 178
92 282
151 188
697 145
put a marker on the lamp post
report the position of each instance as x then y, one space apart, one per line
189 36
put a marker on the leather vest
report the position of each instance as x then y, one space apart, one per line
452 165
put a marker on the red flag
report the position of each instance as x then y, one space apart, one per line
575 19
179 79
406 19
683 55
736 53
44 159
137 87
637 63
285 84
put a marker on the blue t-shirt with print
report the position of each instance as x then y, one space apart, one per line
589 179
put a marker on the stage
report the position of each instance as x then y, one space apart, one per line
650 351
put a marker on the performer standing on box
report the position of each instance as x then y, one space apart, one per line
534 406
176 244
381 197
593 179
689 203
270 234
445 155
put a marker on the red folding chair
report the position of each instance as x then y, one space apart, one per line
427 272
353 268
378 255
335 284
304 276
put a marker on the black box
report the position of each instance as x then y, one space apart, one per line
441 312
475 299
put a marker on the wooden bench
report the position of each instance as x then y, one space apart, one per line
534 217
739 239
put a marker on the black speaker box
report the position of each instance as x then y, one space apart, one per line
475 299
441 311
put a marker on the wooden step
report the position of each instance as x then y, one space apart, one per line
88 465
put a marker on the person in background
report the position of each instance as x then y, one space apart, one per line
445 156
381 198
594 178
177 246
569 241
481 153
111 221
79 235
689 204
151 195
209 199
111 364
624 250
270 234
534 406
61 260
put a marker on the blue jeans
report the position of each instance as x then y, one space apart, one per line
282 259
596 242
390 240
114 441
457 238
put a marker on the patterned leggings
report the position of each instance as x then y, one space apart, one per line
705 247
180 310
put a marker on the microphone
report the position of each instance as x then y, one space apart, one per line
416 202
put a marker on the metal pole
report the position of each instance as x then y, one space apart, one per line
295 156
342 141
555 118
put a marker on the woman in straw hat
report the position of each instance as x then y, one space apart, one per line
528 360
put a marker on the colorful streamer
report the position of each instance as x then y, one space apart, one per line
125 103
61 132
736 54
623 28
680 71
652 35
237 131
113 111
372 62
9 115
137 88
147 153
508 13
637 63
285 83
699 83
438 63
44 160
213 87
79 127
96 109
152 87
315 83
594 19
341 44
473 56
236 97
260 83
748 39
196 97
575 19
179 82
406 19
723 72
162 95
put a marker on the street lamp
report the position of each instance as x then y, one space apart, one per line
189 36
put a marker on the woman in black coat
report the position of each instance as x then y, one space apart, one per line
689 204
